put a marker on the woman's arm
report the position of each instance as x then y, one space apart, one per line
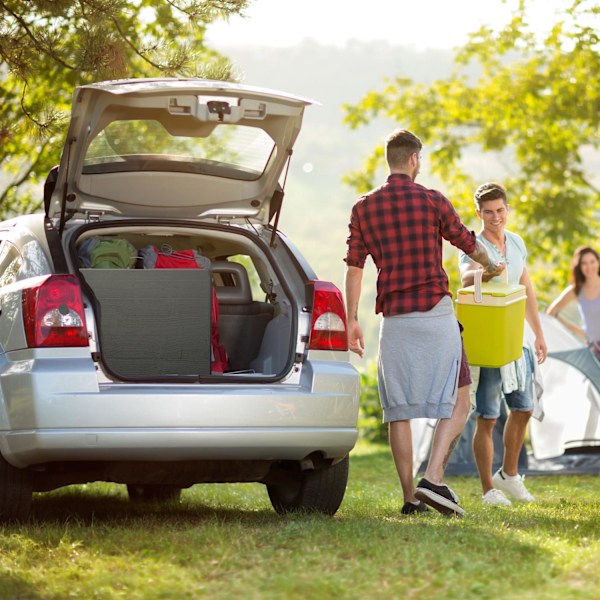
566 297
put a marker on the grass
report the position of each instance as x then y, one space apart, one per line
225 541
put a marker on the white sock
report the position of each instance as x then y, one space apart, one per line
506 476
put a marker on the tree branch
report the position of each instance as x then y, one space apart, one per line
133 47
27 113
35 41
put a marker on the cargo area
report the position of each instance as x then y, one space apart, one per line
183 303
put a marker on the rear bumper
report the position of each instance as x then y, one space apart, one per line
187 444
50 414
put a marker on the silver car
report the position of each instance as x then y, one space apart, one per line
156 329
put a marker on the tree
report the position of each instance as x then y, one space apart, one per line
534 105
48 47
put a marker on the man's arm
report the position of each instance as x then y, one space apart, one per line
479 258
353 285
533 318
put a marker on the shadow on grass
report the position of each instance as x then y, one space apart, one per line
76 505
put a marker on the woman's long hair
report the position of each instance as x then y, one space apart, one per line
577 277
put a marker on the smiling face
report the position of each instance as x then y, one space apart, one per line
493 215
589 265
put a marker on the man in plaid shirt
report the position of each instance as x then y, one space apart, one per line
422 370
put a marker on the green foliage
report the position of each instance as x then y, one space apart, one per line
370 415
533 106
48 47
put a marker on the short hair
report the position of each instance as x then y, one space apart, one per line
399 145
577 276
489 191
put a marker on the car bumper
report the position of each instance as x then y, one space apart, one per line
65 415
170 444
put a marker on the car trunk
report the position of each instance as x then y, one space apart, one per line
166 299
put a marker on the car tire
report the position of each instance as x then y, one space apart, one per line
319 491
154 493
16 492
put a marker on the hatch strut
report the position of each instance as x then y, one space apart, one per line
278 195
63 204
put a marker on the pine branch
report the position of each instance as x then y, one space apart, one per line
39 47
135 49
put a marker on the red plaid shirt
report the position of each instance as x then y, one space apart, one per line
401 225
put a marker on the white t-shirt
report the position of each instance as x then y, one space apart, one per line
515 257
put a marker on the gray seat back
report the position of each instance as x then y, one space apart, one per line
242 320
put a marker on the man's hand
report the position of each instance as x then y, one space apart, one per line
494 269
356 341
541 350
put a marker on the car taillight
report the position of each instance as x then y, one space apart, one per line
53 313
328 325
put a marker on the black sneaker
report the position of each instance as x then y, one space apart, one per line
410 509
440 497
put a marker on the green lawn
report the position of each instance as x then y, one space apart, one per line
225 541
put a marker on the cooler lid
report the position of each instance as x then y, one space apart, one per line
496 289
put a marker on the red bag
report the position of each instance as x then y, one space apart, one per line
167 258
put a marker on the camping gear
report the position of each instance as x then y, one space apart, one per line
493 317
168 258
107 253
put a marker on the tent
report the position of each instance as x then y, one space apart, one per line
567 439
571 398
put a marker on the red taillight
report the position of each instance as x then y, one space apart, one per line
53 313
328 325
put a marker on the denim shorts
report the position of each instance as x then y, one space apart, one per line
489 391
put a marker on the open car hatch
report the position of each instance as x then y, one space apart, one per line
182 148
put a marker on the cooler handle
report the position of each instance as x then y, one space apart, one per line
478 296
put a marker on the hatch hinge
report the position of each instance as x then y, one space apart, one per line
93 216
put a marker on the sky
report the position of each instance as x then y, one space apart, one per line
421 23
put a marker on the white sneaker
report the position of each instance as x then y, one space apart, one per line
495 497
512 486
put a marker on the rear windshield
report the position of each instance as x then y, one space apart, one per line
235 151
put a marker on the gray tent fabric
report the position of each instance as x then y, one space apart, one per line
462 461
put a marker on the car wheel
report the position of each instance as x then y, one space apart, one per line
320 491
154 493
16 492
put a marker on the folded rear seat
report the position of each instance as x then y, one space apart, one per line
242 320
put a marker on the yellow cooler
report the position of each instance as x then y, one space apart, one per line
493 316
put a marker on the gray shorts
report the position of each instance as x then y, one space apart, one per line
419 363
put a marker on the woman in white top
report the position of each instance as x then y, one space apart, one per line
585 290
